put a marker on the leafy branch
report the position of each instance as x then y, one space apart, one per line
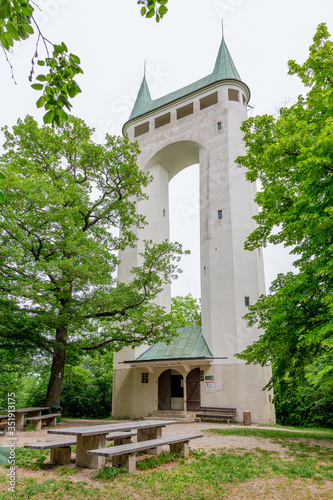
153 8
58 85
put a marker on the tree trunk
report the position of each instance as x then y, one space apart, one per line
57 371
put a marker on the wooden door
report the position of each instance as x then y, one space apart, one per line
193 390
164 390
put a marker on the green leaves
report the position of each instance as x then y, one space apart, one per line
16 18
2 196
153 8
59 84
15 22
185 311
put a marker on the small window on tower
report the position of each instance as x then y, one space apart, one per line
247 301
144 378
162 120
185 111
164 212
219 214
219 126
209 100
141 129
233 95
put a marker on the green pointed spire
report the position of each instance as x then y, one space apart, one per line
224 66
142 99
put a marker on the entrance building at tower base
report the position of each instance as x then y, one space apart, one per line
200 124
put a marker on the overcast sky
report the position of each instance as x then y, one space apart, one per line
113 41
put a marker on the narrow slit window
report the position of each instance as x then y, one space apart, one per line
164 212
247 301
209 100
141 129
219 214
219 126
233 95
185 111
160 121
144 378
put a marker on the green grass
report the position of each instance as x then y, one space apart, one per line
153 462
109 473
275 434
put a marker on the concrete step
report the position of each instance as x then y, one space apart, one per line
182 416
169 413
180 420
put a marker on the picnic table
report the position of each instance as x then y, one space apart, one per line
19 415
94 436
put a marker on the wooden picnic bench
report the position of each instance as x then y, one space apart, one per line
60 453
210 413
19 415
93 436
49 419
4 426
125 455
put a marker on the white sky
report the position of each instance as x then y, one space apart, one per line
113 41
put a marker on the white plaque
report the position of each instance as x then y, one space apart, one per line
209 386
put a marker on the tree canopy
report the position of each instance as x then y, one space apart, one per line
65 200
291 154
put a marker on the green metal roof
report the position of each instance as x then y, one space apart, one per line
142 100
224 69
190 344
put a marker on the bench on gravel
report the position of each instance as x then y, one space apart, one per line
4 425
49 419
209 413
125 455
61 450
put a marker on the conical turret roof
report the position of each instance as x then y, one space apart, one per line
143 98
224 69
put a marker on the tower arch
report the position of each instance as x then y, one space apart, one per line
176 156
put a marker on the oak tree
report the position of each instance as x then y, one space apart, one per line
65 200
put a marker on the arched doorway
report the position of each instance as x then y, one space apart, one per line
193 390
170 391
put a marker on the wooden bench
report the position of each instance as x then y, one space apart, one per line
52 417
61 450
125 455
4 426
210 413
